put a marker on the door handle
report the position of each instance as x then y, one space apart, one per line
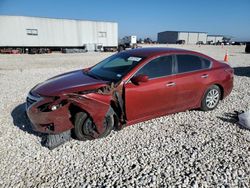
204 76
170 84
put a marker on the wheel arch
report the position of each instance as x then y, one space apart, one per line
73 110
103 125
113 111
221 90
203 105
210 85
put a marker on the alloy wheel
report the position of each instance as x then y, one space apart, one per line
212 98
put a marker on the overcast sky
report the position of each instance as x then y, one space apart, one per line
145 18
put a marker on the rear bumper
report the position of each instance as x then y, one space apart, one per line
228 87
52 122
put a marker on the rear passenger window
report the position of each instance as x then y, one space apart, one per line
158 67
207 63
188 63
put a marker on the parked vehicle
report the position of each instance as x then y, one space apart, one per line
127 42
180 42
200 43
9 51
74 50
210 42
225 43
237 43
127 88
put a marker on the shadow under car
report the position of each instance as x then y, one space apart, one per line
21 120
242 71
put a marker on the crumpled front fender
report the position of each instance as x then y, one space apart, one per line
96 105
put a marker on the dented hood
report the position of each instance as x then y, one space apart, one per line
69 82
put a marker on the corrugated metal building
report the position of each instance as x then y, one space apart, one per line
212 39
190 37
23 31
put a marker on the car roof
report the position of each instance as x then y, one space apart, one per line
148 52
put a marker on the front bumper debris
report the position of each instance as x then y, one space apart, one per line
51 122
53 141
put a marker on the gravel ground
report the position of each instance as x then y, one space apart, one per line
187 149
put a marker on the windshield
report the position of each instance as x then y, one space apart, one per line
115 67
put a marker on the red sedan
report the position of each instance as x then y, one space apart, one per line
126 88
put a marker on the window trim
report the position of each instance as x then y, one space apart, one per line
173 66
102 34
32 32
200 57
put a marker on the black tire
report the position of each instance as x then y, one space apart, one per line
211 98
85 129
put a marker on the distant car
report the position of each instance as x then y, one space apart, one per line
127 88
210 42
219 43
247 49
180 42
236 43
200 43
225 43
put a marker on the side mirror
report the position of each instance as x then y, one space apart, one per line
139 78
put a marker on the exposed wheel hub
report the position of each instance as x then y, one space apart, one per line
212 98
89 127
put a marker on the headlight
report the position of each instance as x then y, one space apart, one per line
54 107
47 107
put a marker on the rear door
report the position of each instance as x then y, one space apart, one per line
154 97
192 79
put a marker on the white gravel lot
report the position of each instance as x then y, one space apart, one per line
187 149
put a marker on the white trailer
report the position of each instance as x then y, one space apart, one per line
35 32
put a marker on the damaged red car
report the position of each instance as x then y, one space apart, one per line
126 88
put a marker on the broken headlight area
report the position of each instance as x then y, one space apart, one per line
101 90
52 106
87 91
104 90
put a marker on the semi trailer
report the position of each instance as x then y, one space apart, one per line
42 35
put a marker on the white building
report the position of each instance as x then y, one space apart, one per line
190 37
23 31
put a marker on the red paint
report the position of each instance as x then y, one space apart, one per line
40 120
68 82
149 98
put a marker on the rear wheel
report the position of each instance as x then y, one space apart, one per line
85 129
211 98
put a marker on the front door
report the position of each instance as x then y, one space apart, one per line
155 97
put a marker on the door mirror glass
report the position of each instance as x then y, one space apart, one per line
139 78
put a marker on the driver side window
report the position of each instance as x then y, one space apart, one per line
159 67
